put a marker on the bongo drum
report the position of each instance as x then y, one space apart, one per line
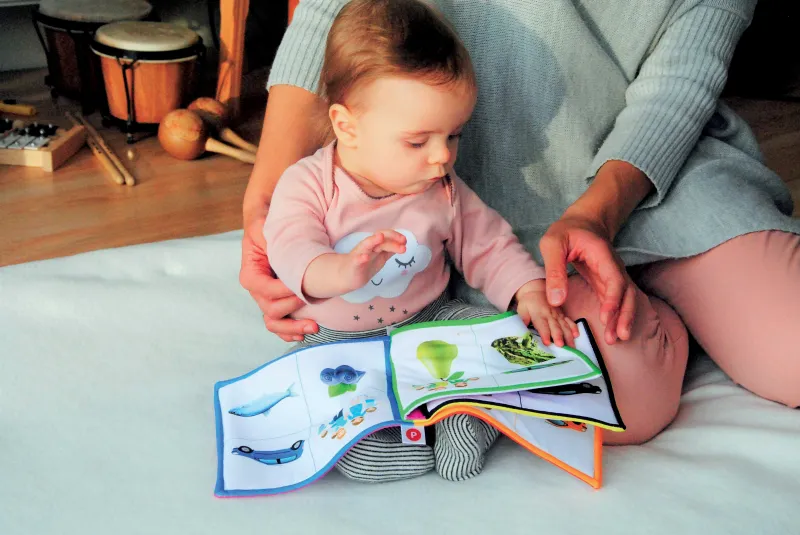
65 29
149 69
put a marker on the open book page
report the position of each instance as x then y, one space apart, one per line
437 360
287 423
590 401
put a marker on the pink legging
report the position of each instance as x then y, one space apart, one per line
740 301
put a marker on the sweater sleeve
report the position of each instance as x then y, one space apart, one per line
298 61
294 229
484 248
676 91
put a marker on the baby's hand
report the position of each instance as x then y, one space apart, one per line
532 307
369 256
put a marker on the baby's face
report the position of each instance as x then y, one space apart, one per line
408 132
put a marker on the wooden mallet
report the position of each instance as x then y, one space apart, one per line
184 135
215 114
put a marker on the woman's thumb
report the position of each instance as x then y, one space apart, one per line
555 268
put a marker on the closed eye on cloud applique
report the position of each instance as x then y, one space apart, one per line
404 264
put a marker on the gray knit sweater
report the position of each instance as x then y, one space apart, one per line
566 85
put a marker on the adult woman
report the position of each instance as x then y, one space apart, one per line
627 95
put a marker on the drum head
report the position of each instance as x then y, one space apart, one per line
101 11
136 36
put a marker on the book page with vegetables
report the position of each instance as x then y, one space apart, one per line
491 355
590 401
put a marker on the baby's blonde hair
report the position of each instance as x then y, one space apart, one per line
371 39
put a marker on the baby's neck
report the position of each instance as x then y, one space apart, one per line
344 159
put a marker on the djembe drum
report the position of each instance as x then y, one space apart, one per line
65 29
149 69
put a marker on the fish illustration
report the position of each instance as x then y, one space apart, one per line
264 404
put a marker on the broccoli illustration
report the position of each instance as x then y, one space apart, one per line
522 351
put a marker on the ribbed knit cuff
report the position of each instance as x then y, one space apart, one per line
299 58
674 96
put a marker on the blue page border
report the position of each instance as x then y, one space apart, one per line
219 489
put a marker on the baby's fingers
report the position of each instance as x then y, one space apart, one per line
569 329
556 331
393 235
367 246
542 326
390 246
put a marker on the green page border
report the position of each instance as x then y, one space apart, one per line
404 411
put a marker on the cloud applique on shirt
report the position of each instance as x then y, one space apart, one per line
395 275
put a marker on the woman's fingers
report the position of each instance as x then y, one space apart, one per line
280 308
611 331
554 254
288 329
612 298
627 312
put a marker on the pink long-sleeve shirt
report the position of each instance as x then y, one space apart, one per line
317 208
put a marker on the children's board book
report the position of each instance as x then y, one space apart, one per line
285 424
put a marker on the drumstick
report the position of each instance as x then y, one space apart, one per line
101 143
112 170
215 114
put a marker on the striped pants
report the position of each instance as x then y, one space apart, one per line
459 443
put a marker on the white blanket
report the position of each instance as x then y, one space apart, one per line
107 366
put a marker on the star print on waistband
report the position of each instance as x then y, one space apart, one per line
391 309
371 307
356 318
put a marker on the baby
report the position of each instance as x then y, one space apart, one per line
365 230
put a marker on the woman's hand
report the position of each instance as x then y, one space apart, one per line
274 299
584 235
586 246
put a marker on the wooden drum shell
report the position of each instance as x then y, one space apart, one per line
155 88
66 29
63 51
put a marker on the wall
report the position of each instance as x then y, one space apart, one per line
20 49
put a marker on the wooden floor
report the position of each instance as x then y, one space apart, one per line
77 209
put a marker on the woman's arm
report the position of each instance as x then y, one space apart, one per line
667 106
288 135
676 91
616 191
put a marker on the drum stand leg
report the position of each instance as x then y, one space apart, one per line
129 100
84 71
48 80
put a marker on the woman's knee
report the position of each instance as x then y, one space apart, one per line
740 300
646 371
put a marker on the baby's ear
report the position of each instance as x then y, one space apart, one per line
344 124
